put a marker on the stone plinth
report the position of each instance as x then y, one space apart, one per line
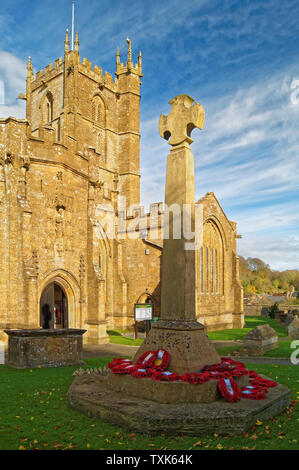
94 397
168 392
187 343
45 348
260 340
293 329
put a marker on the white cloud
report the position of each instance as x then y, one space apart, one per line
279 254
13 75
248 155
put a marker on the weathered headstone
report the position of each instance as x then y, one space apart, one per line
293 328
177 330
289 318
261 339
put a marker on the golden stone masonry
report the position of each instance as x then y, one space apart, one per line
78 148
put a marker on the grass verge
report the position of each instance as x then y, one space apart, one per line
34 415
250 323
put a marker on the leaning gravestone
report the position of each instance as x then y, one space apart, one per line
261 339
293 328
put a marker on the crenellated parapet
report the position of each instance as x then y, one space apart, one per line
104 79
129 67
47 74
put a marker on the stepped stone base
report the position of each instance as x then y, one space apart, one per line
94 396
187 343
168 392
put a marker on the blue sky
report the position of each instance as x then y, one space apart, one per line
237 58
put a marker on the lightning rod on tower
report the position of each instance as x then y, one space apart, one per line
73 24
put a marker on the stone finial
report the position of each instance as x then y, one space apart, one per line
117 61
140 63
185 115
77 43
29 68
129 61
67 41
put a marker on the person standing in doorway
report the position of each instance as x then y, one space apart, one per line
47 316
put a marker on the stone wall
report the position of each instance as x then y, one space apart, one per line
262 309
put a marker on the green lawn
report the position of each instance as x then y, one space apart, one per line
284 350
250 323
117 337
34 415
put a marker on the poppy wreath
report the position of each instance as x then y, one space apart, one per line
194 378
257 380
139 373
123 368
202 378
253 393
165 376
156 360
229 389
118 361
153 364
230 361
239 372
146 360
216 374
189 378
215 368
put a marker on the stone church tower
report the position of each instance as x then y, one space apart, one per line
78 149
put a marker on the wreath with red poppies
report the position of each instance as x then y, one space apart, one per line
153 364
157 360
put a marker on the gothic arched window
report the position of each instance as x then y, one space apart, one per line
98 111
47 108
211 260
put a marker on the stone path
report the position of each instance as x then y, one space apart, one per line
108 350
121 350
283 361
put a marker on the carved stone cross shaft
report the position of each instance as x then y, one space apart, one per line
177 329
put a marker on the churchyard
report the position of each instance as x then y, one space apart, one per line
283 350
36 416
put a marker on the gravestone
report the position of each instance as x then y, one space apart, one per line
293 328
261 339
282 318
289 318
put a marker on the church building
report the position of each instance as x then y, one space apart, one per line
78 149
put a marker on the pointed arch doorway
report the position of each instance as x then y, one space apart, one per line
54 307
